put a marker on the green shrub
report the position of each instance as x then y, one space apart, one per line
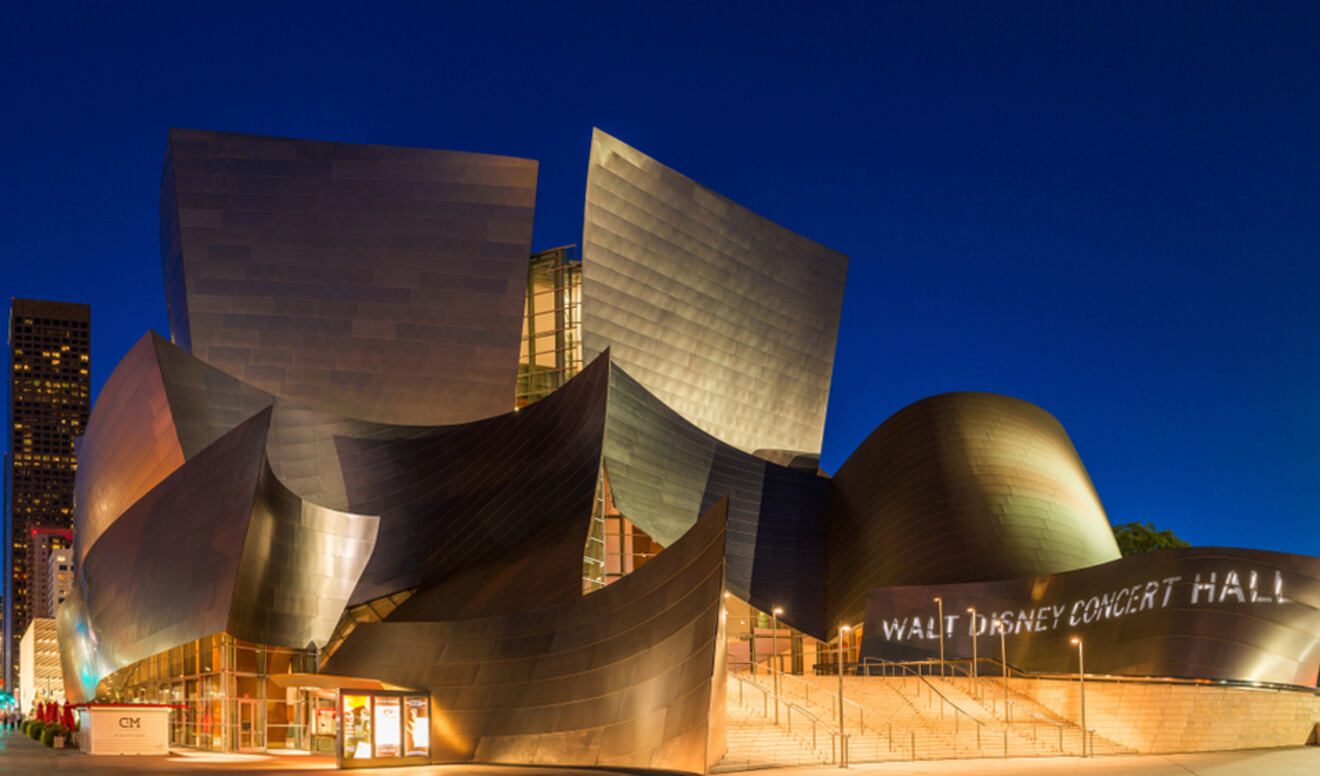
48 736
24 726
36 729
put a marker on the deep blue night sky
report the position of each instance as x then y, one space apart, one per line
1110 210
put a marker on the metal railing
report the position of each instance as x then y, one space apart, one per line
919 679
1019 726
838 744
889 729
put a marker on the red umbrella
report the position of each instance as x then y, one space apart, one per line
68 715
45 712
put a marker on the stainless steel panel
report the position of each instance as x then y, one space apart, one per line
1198 612
376 282
624 676
728 318
164 572
300 564
960 487
461 506
664 472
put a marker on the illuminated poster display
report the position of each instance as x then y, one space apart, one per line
417 726
1137 615
357 727
384 728
388 726
325 722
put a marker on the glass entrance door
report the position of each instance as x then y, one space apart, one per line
251 727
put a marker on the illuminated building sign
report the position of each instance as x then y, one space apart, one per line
1198 613
384 728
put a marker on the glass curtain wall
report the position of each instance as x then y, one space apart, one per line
552 333
615 547
223 685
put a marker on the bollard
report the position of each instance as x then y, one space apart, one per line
913 744
1005 744
891 736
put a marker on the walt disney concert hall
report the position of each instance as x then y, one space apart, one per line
398 489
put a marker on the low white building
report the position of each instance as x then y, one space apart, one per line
39 673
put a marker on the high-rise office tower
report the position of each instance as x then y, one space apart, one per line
49 399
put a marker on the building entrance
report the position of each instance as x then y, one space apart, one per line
251 727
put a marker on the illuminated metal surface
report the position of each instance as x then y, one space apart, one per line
485 517
163 573
624 676
960 487
377 282
664 472
300 564
728 318
1199 612
159 407
218 545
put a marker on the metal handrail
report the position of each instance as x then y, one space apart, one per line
957 666
880 661
891 725
839 755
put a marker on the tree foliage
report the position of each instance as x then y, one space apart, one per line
1133 538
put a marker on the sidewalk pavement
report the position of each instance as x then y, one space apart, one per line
21 756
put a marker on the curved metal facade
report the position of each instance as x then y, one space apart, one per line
960 487
159 408
630 675
218 545
664 472
377 282
340 435
129 446
458 503
1197 613
728 318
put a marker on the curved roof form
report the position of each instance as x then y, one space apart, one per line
960 487
630 675
457 502
727 317
217 545
376 282
159 408
664 472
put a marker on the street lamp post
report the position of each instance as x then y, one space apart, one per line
774 651
1003 659
843 745
1081 678
940 603
752 617
975 684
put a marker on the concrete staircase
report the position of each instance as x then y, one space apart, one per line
1048 732
755 741
933 720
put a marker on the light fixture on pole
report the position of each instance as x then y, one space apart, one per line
843 746
752 617
1081 679
972 610
940 603
774 651
1003 659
